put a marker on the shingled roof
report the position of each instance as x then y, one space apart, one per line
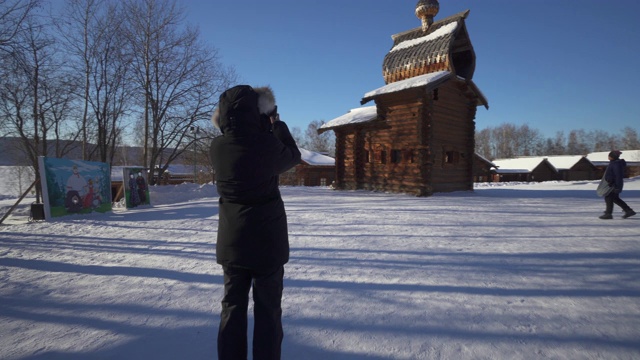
444 46
355 116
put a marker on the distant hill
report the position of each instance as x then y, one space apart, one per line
11 153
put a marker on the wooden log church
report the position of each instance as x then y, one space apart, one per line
419 137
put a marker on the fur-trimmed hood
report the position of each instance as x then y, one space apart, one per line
266 104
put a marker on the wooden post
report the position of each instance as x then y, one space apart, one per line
17 202
119 193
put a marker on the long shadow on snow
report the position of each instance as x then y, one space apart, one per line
364 288
448 329
538 194
621 268
195 250
59 267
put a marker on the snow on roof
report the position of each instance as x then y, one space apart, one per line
561 162
174 169
417 81
485 159
482 100
518 165
564 162
630 156
117 174
314 158
354 116
444 30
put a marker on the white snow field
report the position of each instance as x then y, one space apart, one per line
509 271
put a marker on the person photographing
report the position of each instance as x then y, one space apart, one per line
252 241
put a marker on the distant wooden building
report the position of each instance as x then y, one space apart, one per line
482 169
419 137
573 167
526 169
601 160
315 169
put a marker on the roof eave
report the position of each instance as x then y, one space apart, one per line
367 123
482 100
461 15
427 87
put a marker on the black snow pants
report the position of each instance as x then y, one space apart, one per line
267 297
614 198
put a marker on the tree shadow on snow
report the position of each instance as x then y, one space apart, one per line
539 194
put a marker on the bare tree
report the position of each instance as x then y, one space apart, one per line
93 33
199 153
629 140
504 140
508 140
297 135
13 14
178 78
604 141
110 89
483 145
33 91
556 145
322 143
577 143
528 141
78 30
20 179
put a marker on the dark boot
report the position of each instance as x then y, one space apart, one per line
606 216
628 213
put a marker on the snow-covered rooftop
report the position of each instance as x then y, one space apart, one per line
630 156
518 165
528 163
444 30
485 159
563 162
354 116
417 81
116 172
314 158
174 169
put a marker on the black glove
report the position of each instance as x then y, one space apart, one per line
274 116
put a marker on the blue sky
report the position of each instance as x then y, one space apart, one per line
556 65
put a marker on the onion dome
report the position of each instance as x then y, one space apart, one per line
426 10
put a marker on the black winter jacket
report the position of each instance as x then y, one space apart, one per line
247 159
614 174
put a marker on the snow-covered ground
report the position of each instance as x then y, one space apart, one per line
509 271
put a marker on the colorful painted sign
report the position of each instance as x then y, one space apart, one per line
136 186
74 186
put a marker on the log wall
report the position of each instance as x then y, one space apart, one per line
452 141
426 144
481 170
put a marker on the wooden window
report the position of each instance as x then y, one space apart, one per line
451 157
396 156
408 156
323 182
379 155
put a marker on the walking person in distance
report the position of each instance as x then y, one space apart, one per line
614 175
252 241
